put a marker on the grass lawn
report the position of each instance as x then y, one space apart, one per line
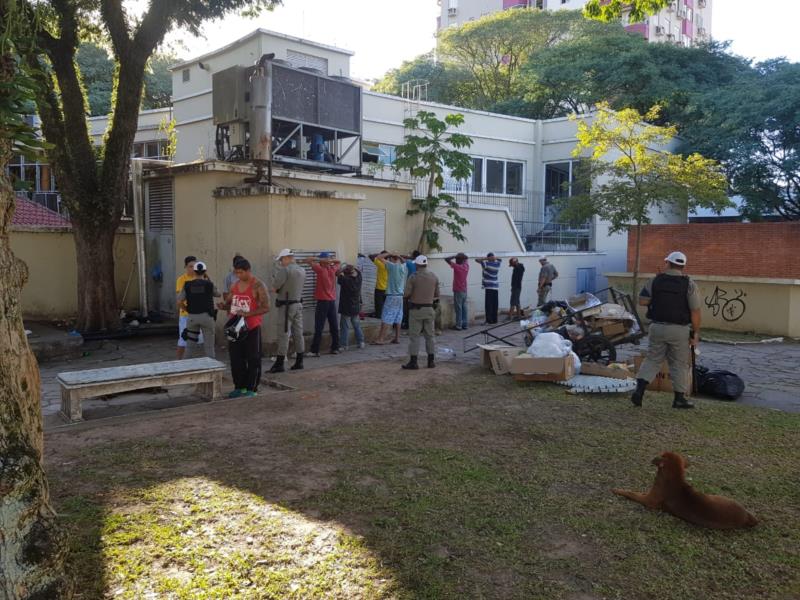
450 484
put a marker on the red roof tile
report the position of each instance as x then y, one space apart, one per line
31 214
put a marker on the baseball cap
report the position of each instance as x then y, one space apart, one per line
324 254
199 267
284 252
543 257
676 258
421 260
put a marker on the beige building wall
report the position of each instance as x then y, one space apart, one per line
744 304
52 288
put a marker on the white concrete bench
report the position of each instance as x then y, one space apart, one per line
77 385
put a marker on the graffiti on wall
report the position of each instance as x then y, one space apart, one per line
730 308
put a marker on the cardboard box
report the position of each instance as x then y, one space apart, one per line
529 368
592 368
663 381
498 357
613 329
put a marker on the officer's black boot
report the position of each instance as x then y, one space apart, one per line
277 366
641 386
680 401
298 364
411 364
431 361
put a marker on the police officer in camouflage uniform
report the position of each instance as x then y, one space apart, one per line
673 306
288 279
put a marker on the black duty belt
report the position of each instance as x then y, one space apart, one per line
413 306
287 302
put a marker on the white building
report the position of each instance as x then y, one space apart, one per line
520 165
683 22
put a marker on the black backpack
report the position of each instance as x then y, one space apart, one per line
718 384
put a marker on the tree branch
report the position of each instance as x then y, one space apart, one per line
116 22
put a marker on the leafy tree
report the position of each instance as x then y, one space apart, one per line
93 188
446 81
428 154
31 547
752 125
613 10
629 174
495 48
97 72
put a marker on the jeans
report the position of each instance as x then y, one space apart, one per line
461 309
325 311
246 361
344 329
492 303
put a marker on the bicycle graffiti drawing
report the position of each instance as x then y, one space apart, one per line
731 309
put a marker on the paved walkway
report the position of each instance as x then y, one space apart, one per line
770 371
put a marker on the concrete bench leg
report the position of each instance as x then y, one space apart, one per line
71 405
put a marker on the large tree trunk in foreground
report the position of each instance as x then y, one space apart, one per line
31 549
97 298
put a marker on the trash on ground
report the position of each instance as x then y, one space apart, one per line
592 384
723 385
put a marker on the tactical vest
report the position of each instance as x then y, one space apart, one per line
669 301
199 296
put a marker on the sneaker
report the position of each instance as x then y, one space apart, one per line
337 351
249 394
361 346
237 393
315 354
457 328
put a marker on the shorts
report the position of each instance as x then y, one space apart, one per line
515 294
392 310
181 326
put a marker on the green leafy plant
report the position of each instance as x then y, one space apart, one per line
611 10
629 174
167 128
430 150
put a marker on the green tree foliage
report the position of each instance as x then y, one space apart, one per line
97 72
629 174
446 81
752 125
495 48
614 10
95 190
428 152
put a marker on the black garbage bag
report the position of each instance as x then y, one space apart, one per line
719 384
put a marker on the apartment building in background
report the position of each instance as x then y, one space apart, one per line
683 22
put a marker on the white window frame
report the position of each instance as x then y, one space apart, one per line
572 162
467 183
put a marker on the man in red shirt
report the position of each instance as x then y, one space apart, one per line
460 273
325 295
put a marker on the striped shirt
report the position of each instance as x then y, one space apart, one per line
491 269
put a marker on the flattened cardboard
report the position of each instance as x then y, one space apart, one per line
591 368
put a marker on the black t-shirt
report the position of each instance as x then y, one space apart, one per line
350 295
516 276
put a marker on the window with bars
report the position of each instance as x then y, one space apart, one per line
160 204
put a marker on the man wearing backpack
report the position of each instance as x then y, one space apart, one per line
197 299
673 307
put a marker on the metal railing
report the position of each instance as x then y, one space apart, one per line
539 236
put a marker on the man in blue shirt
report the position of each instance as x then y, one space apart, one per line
490 268
392 313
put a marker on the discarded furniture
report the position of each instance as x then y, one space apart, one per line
77 385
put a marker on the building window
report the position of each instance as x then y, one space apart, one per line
494 176
374 152
156 149
490 176
477 175
301 59
186 75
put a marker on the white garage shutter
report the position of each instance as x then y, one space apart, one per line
371 240
301 59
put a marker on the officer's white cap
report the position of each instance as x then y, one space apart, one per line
200 267
543 257
421 260
676 258
284 252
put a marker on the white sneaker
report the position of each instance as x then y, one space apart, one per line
361 346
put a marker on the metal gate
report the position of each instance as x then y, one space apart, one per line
371 240
160 244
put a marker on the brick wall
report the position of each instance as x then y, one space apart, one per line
732 249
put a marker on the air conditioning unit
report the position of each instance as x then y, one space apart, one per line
701 3
660 30
452 12
682 13
671 7
670 37
701 31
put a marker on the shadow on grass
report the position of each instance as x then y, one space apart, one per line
499 492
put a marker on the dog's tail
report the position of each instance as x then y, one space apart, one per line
751 521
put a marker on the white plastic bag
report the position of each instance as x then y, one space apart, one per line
549 345
577 362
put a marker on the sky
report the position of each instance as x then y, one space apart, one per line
384 33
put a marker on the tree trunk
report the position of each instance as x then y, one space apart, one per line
637 264
97 296
31 548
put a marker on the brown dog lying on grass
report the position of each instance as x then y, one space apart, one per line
673 495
